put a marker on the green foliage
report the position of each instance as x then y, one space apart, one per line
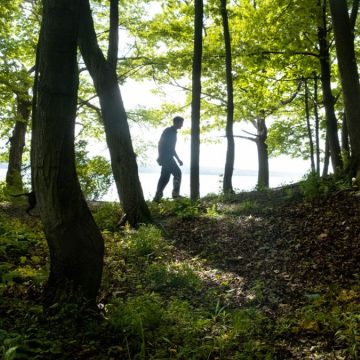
19 246
314 187
183 208
154 329
336 314
146 242
106 215
162 276
95 174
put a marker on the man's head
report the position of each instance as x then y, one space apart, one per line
178 122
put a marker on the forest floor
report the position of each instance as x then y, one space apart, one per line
258 275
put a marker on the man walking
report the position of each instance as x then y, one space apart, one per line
166 160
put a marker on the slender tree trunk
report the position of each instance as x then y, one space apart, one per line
317 124
17 143
230 153
75 243
123 158
307 113
328 99
326 158
349 78
263 155
345 146
196 102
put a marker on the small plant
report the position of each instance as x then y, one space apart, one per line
107 215
146 242
311 186
173 275
183 208
314 187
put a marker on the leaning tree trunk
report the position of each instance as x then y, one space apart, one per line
196 103
75 243
17 143
328 98
123 157
230 152
349 79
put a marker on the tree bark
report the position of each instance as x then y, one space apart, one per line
307 114
263 155
349 78
230 152
345 146
75 243
326 158
123 158
196 103
328 99
17 143
317 124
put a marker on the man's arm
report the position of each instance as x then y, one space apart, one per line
177 158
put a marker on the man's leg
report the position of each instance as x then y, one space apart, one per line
163 181
176 172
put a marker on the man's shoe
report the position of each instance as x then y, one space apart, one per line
178 197
157 197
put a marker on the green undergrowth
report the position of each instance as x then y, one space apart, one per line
156 304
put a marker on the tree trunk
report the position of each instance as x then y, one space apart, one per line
307 113
123 158
345 146
17 143
263 155
328 99
317 124
196 103
230 153
326 158
349 78
75 243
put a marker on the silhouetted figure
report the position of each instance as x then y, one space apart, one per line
31 198
166 160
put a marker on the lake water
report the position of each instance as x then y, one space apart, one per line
210 181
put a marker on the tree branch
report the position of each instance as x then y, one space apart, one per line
246 138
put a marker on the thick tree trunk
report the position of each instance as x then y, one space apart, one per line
75 243
17 143
349 78
263 155
230 152
123 158
196 103
328 99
